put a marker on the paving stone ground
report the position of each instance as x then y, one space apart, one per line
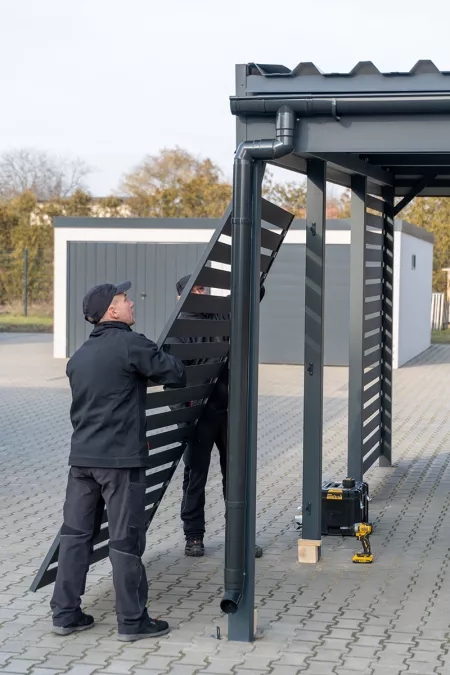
335 617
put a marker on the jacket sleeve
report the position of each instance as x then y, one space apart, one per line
146 359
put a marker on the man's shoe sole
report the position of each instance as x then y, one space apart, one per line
65 630
141 636
195 553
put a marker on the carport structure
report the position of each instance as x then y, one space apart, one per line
386 136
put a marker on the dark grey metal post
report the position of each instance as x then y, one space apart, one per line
387 319
25 282
313 378
356 343
241 624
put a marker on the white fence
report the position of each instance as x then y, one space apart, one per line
439 312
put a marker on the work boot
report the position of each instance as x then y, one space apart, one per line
83 623
151 628
258 551
194 547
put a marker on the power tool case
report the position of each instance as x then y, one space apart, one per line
343 505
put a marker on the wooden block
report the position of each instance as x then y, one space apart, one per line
308 551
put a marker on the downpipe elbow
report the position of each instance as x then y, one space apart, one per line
230 602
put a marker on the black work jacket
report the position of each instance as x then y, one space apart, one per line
108 377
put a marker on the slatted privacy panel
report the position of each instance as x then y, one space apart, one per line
370 372
172 414
377 328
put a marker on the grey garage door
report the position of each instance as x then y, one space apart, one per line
282 310
153 270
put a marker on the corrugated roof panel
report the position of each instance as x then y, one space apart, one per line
306 68
364 78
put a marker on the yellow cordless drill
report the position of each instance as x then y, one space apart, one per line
362 531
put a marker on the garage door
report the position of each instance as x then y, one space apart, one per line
153 270
282 310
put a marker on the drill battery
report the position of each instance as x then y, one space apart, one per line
343 505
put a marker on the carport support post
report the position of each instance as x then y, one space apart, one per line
387 318
356 342
245 285
309 545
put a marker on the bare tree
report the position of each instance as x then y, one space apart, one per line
46 176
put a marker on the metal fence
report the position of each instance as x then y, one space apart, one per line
439 311
26 277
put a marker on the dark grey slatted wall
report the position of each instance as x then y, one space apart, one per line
153 270
283 309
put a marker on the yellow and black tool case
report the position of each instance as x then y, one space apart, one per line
343 505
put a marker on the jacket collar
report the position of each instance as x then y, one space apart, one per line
106 325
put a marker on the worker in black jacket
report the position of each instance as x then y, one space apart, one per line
212 429
108 377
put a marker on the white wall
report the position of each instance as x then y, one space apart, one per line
412 297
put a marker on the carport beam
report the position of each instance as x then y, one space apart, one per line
313 372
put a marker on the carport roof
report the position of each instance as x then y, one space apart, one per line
392 127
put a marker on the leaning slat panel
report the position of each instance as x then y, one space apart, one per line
199 328
159 399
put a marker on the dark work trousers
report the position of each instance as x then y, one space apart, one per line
123 493
197 458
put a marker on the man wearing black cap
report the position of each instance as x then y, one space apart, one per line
108 377
212 429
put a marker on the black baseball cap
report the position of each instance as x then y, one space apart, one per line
98 299
181 284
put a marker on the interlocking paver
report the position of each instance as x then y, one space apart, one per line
333 617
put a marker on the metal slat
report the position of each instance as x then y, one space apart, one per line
166 419
169 437
203 373
375 222
370 428
166 456
374 203
271 213
371 458
372 374
373 273
270 240
221 253
51 557
372 323
199 328
372 408
207 304
374 255
372 358
159 399
387 292
373 304
198 350
374 238
209 276
373 289
158 477
372 388
372 340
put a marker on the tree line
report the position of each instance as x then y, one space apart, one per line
36 186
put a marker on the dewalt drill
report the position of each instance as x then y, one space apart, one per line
362 531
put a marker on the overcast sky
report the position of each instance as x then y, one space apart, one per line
112 80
